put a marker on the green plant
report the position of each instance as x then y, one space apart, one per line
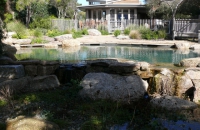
93 124
103 29
84 31
162 34
127 31
37 33
134 34
3 103
117 33
37 40
67 31
76 34
19 28
53 33
8 17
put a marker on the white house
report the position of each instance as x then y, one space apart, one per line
113 10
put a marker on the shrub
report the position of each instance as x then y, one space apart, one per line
162 34
134 34
117 33
67 31
77 34
41 23
37 40
19 28
53 33
127 31
146 33
103 29
37 33
84 31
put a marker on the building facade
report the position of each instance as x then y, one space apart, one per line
113 10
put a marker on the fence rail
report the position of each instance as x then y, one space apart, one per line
111 25
182 27
186 27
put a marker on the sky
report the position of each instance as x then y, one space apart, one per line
83 2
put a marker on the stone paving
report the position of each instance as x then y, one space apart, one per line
111 39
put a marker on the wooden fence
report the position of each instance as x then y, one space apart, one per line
186 27
62 24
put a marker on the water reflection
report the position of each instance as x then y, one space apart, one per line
151 55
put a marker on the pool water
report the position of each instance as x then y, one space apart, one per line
152 55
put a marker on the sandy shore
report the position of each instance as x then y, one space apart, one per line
111 39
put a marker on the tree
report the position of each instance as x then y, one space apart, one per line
65 8
27 5
172 4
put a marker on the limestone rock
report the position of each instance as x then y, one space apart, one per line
14 86
11 71
30 123
182 45
190 62
43 83
94 32
6 61
22 41
172 103
63 37
193 72
31 70
113 87
49 45
195 47
122 37
123 67
70 43
164 82
46 70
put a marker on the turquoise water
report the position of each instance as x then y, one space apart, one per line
148 54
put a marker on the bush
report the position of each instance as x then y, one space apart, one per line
19 28
84 31
103 29
117 33
162 34
146 33
53 33
37 40
67 31
41 23
37 33
127 31
77 34
134 34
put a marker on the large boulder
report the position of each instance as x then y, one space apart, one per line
172 103
4 60
164 82
182 45
70 43
14 86
94 32
11 71
113 87
22 41
43 83
63 37
30 123
190 62
195 47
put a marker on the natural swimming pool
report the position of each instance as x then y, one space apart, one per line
153 55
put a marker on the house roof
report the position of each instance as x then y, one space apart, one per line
111 6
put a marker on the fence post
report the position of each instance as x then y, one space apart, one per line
198 36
